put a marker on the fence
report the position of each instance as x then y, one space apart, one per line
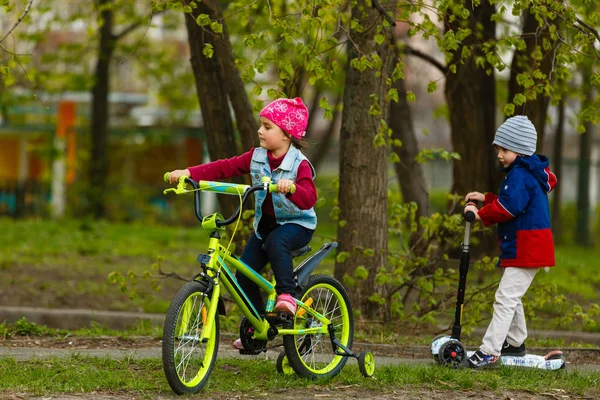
24 199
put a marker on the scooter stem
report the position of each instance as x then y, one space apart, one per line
462 283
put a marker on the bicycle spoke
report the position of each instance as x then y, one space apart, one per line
190 342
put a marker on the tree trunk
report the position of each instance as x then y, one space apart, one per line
408 171
471 97
535 108
99 111
582 231
211 76
234 86
557 161
363 167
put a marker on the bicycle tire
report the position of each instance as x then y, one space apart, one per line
187 362
331 300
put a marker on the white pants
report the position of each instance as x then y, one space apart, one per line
508 321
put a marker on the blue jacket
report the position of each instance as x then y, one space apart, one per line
522 213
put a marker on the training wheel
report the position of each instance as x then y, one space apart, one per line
366 363
452 353
283 364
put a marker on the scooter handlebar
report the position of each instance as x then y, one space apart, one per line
469 216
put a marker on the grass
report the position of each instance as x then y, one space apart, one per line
77 374
576 272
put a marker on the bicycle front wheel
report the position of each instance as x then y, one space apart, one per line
311 355
187 360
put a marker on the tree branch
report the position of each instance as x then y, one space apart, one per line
136 25
589 28
19 20
377 5
426 57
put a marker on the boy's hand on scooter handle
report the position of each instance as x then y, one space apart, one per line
475 196
471 207
175 175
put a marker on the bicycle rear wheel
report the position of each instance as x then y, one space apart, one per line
187 361
310 355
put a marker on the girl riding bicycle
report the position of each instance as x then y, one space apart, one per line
283 221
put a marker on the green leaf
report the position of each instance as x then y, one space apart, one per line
361 273
519 99
509 109
368 252
410 96
208 50
431 87
379 38
203 20
216 27
342 256
378 140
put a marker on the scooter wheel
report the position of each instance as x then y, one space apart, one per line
435 356
283 364
452 353
366 363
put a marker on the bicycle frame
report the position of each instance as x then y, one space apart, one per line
220 270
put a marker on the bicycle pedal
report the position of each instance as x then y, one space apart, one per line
278 318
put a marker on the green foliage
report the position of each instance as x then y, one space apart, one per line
23 327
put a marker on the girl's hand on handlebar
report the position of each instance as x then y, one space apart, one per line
476 196
175 175
284 186
474 210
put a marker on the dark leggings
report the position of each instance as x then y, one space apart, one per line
280 241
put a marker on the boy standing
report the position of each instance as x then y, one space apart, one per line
522 213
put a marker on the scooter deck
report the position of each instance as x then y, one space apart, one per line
546 362
552 361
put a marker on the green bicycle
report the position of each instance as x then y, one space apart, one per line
316 341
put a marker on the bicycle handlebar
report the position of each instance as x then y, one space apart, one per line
221 187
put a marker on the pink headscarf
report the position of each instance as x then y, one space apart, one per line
291 115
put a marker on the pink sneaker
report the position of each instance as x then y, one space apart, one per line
237 344
285 304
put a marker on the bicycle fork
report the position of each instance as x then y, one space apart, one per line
211 313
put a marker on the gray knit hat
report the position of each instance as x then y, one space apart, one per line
517 134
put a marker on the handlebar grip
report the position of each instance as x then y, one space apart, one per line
166 176
273 188
469 216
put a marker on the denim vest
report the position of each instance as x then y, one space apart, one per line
285 210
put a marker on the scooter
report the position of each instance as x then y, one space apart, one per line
448 350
